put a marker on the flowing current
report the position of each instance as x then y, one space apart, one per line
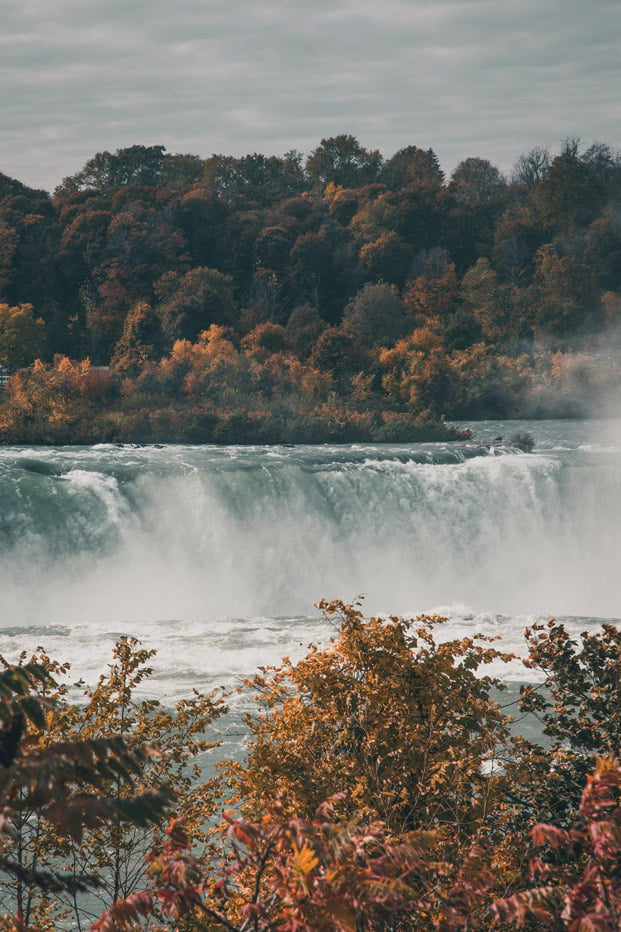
215 556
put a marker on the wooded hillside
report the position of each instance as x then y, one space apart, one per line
341 296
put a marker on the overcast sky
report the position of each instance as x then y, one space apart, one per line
488 78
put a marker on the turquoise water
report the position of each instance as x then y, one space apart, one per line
215 556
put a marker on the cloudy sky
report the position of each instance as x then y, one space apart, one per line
489 78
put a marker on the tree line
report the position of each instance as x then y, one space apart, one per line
364 295
386 786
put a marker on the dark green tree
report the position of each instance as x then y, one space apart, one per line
192 302
572 194
413 167
142 340
22 336
343 161
477 181
376 316
136 165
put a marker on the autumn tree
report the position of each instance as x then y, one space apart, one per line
578 704
299 875
265 339
382 790
492 305
339 354
84 221
386 259
59 786
376 217
344 203
53 402
116 706
212 365
576 878
431 296
417 373
489 385
518 235
379 733
360 717
140 244
365 797
566 296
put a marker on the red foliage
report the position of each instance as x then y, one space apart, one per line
584 887
296 875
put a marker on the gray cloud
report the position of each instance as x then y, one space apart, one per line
465 77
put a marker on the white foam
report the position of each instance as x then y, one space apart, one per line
225 540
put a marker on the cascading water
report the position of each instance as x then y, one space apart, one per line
216 555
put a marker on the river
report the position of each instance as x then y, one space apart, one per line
215 556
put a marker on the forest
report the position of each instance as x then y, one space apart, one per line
342 296
367 800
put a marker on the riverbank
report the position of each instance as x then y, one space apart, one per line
42 423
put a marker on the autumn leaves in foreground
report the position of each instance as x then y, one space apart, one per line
384 787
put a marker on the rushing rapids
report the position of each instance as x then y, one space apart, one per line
216 555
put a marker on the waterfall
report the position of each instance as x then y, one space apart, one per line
175 539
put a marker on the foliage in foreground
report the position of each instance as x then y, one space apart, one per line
583 889
383 791
297 876
289 873
59 786
156 753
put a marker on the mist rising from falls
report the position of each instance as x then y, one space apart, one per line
119 535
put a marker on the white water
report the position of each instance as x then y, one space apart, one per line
216 556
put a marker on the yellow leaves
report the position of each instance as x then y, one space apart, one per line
58 415
395 721
304 859
214 342
58 396
182 352
332 190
